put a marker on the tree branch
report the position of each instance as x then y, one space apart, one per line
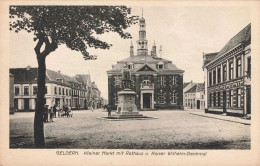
38 47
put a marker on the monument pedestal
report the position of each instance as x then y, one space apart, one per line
126 106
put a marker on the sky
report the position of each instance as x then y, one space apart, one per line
184 33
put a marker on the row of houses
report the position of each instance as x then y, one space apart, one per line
193 95
77 92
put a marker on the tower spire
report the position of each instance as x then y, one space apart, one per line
142 43
131 49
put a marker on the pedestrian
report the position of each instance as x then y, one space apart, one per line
92 109
66 109
51 114
108 110
45 113
59 111
54 110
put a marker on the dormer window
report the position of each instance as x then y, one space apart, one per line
130 66
160 65
60 80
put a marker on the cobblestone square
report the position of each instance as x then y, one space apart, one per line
172 130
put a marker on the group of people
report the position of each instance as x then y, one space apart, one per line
50 113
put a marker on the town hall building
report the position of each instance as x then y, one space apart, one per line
157 81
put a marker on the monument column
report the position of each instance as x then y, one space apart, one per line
137 85
153 100
142 107
155 80
110 94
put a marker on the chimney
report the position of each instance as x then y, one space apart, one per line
154 50
131 50
28 67
59 71
160 51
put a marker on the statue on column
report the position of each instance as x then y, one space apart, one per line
126 79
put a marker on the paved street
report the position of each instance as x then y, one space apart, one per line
172 130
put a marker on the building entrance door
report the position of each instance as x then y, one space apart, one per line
224 102
147 100
26 104
248 100
16 104
198 104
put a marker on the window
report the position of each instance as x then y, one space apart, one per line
224 73
66 92
174 97
174 80
219 74
59 91
210 100
238 98
116 98
46 90
210 78
161 97
238 71
218 99
231 70
17 90
214 99
55 90
35 90
161 80
160 66
249 67
117 81
63 91
26 90
214 77
231 98
131 66
70 92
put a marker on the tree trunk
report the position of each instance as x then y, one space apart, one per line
38 118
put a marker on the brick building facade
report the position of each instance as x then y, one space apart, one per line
157 82
228 76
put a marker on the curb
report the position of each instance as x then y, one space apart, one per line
244 123
105 118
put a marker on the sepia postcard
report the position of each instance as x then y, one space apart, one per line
129 83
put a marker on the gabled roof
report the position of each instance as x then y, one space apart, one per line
83 78
143 58
209 57
192 89
185 84
200 87
23 75
146 67
244 36
53 76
